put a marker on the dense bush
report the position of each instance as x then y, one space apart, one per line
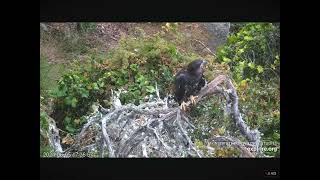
253 52
253 55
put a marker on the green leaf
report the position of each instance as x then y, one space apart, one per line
231 39
242 64
67 100
134 67
71 101
223 51
67 120
260 69
101 84
95 86
120 82
248 38
140 78
76 77
150 89
240 51
89 87
70 129
136 93
108 74
61 92
276 136
74 102
243 82
251 65
226 60
132 88
84 93
221 130
245 32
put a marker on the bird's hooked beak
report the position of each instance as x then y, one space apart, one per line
204 64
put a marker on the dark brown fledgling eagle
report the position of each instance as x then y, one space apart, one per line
189 81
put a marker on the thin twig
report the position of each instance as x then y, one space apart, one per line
208 49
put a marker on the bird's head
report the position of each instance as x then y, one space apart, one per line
197 66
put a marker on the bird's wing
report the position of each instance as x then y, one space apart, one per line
202 83
180 87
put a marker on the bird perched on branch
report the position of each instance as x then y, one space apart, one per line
189 81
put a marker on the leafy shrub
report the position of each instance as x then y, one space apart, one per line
235 27
253 52
253 55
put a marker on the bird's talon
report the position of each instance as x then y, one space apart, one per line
193 99
183 106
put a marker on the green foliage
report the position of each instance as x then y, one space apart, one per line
235 27
253 52
69 125
43 121
78 89
257 87
260 104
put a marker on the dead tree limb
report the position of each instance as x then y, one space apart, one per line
106 136
211 88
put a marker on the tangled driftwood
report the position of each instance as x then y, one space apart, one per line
155 128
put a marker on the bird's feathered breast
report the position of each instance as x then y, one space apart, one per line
186 84
189 80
